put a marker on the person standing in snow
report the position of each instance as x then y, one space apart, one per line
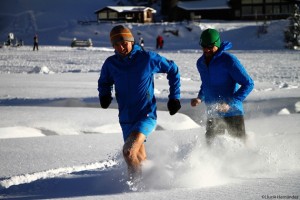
141 42
131 71
225 85
35 42
159 42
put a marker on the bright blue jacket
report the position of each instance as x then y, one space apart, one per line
133 79
224 80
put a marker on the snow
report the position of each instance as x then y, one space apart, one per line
56 142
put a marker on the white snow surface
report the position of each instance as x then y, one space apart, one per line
57 143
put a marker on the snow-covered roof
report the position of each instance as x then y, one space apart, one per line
203 4
128 8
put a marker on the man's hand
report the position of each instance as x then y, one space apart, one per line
173 106
195 102
223 107
105 101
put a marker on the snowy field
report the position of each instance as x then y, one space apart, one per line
56 142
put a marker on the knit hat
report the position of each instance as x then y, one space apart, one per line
120 33
210 37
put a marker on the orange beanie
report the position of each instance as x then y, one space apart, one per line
120 33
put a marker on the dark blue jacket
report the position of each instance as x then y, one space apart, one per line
224 80
133 79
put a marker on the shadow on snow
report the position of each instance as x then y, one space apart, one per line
84 183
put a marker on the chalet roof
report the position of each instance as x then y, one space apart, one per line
203 5
121 9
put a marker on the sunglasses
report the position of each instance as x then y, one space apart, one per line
208 46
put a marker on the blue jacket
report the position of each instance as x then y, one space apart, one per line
224 80
133 79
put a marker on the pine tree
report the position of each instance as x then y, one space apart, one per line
292 34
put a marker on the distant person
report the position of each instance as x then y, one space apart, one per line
8 41
10 38
131 71
35 42
224 85
141 42
21 42
159 42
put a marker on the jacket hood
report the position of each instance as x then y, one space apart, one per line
225 46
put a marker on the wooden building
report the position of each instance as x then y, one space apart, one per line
205 9
263 9
139 14
230 10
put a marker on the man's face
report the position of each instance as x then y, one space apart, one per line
123 47
210 51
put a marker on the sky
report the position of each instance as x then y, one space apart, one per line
57 143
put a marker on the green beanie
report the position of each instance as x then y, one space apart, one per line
210 37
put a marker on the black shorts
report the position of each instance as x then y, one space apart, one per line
235 126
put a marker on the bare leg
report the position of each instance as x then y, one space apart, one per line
142 153
134 153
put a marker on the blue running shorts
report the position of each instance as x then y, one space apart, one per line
145 126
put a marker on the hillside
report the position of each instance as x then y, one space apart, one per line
47 18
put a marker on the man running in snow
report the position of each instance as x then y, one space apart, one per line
225 85
131 71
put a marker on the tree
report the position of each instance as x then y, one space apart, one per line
292 34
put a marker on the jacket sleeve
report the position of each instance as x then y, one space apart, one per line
163 65
201 95
240 75
105 81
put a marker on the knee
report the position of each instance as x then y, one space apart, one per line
142 157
